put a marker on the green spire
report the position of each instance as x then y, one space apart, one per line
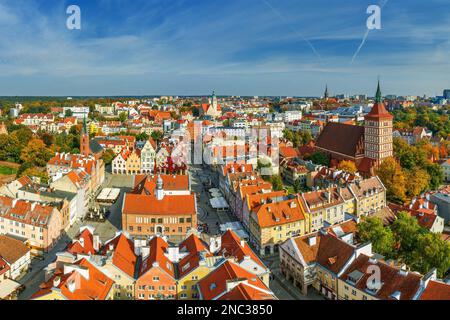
84 125
378 96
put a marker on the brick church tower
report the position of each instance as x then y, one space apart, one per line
85 149
378 132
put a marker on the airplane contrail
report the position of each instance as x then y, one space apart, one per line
298 33
363 42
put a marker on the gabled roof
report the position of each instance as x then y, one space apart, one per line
123 257
393 281
214 285
11 249
231 245
341 138
195 248
278 213
436 290
145 184
83 244
96 286
157 258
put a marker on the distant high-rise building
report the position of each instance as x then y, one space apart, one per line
447 93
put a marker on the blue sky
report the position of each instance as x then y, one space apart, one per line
236 47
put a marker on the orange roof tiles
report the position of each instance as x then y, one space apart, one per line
75 286
123 257
278 213
195 247
84 244
436 290
214 285
144 184
149 205
231 246
406 283
34 214
157 258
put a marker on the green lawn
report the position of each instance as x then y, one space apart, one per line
7 170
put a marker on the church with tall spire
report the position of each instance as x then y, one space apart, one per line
89 147
367 146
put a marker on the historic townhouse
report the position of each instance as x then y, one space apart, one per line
230 245
133 162
157 277
252 201
370 195
194 262
15 258
394 283
248 187
273 222
320 258
148 156
40 225
324 206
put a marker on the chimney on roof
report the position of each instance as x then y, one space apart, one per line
56 281
96 242
72 286
312 241
215 244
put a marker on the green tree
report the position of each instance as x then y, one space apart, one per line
382 239
431 252
36 153
277 182
406 230
157 135
10 148
123 116
142 137
68 113
298 186
108 156
393 178
23 135
416 182
436 175
320 158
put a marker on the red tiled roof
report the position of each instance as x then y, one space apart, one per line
123 257
378 112
157 258
231 246
149 205
95 287
407 283
144 184
214 285
288 152
342 138
436 290
194 246
85 237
